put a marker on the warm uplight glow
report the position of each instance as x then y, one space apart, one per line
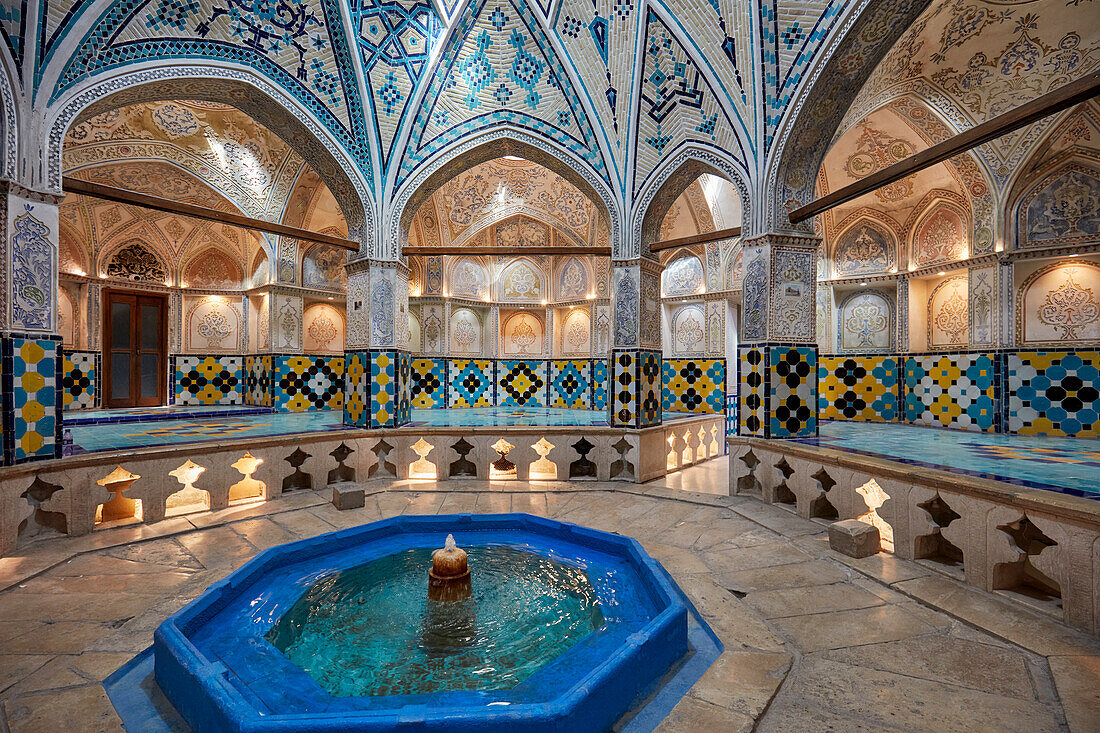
941 272
591 296
1074 255
330 297
544 302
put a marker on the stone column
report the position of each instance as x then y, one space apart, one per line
635 384
30 345
777 354
377 361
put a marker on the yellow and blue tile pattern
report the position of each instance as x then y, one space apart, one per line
32 366
470 383
428 384
571 383
303 383
1054 393
208 380
955 391
600 385
257 380
751 387
521 383
357 401
78 380
792 392
694 385
863 388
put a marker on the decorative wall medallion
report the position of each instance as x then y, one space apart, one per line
522 283
322 331
578 333
951 317
214 328
574 280
465 332
468 278
1069 307
135 262
684 277
175 121
522 336
688 335
865 322
32 272
323 267
1067 208
942 237
432 331
863 249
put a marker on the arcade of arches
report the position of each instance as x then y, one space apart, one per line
510 177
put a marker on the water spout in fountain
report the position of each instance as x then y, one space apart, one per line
449 578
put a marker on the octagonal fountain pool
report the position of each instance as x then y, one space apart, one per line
556 627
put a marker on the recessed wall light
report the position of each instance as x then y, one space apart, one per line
941 272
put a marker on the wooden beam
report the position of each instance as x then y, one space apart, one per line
505 251
145 201
1062 98
696 239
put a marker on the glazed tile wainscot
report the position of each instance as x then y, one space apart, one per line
73 495
285 382
31 375
1036 547
1025 392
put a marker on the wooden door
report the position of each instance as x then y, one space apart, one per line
135 345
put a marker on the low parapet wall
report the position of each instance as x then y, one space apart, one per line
1040 548
75 495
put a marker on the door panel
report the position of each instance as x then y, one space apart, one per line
135 349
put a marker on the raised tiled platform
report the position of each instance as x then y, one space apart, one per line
1066 465
167 412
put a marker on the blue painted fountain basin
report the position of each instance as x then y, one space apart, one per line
215 665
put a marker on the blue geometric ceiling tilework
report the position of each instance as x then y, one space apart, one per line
791 34
13 27
598 37
298 44
677 103
395 40
499 67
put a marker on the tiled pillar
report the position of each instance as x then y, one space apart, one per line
378 365
635 388
777 353
902 317
30 347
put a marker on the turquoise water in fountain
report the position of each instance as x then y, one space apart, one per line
371 630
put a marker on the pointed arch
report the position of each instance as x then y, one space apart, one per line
806 127
9 126
668 182
246 91
198 270
494 144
